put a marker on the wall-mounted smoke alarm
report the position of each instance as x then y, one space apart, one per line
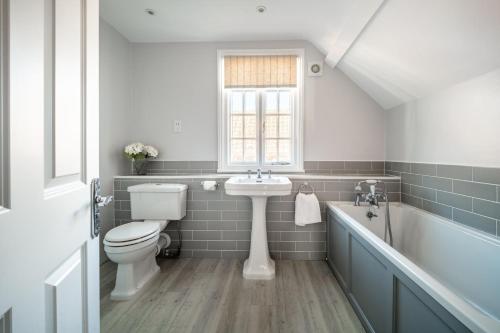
315 68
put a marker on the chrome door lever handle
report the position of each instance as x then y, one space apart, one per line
103 201
97 201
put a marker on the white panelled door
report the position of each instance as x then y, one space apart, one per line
49 274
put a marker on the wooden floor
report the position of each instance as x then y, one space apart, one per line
210 295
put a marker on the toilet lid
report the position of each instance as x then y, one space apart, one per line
131 231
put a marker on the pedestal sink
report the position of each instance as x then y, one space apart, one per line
259 266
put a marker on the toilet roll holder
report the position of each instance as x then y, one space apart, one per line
216 185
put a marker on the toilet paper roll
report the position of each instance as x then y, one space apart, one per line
209 185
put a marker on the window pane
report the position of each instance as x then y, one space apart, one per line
236 150
236 126
271 151
245 129
250 105
284 102
271 127
236 102
250 151
284 149
285 126
250 126
271 102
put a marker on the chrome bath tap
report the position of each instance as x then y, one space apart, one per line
372 198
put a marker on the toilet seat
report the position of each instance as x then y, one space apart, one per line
131 233
132 247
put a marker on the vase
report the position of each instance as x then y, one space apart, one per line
140 166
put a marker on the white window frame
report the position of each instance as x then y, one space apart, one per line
297 164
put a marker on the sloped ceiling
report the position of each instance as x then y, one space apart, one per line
396 50
411 49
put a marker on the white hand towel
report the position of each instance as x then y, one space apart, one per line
307 209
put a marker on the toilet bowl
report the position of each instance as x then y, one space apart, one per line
133 246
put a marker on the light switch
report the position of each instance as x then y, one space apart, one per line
177 126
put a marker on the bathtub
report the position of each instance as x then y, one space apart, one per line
439 276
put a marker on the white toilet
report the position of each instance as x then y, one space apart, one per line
133 246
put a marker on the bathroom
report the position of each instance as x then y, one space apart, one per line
252 166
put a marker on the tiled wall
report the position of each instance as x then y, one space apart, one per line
344 167
465 194
218 225
156 167
181 167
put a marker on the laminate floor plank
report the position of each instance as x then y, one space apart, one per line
211 296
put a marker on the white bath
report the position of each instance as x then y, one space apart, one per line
456 265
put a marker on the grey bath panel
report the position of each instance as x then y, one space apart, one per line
413 316
371 286
384 298
417 312
340 249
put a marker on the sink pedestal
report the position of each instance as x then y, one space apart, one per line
259 265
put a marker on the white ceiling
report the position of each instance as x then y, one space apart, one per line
396 51
228 20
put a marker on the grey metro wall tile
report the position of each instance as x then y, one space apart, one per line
207 235
424 169
487 175
400 166
358 165
411 200
487 208
476 221
477 190
236 235
221 245
435 208
455 200
409 178
294 236
331 165
311 165
454 171
424 193
443 184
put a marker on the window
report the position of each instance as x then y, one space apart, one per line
260 94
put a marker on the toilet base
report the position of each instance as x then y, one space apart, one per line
131 277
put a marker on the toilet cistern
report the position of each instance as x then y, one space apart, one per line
259 265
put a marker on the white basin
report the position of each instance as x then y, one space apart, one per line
259 265
264 187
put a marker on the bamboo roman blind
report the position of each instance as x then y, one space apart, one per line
260 71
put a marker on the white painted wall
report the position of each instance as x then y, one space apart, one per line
115 105
459 125
178 81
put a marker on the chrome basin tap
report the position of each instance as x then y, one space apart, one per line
259 175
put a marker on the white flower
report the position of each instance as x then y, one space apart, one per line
134 149
151 151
